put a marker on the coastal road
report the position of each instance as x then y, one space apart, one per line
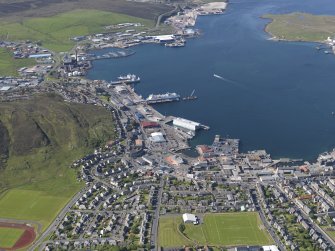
159 19
52 227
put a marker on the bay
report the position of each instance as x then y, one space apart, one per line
278 96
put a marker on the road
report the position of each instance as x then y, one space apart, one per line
279 244
154 229
307 218
159 19
58 219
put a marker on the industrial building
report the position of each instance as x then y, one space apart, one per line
186 124
120 89
45 55
149 124
157 137
164 38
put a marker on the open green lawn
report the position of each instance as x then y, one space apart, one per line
9 236
301 27
55 32
9 65
47 192
217 230
26 204
168 235
229 229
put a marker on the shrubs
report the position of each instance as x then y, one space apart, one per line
181 227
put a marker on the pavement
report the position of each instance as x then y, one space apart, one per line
254 197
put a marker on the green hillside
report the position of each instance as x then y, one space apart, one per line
40 138
9 65
55 32
301 27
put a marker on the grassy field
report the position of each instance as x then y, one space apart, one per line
9 236
38 143
301 27
33 205
9 65
19 10
229 229
55 32
217 230
168 235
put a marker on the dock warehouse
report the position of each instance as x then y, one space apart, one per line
186 124
164 38
157 137
189 218
46 55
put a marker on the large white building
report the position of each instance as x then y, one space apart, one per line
189 218
164 38
270 248
157 137
186 124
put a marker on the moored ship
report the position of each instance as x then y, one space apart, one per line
191 97
127 79
161 98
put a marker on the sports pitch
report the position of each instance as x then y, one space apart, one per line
9 236
227 229
31 205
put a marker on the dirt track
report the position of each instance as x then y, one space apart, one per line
26 238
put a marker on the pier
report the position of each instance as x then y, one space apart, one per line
110 55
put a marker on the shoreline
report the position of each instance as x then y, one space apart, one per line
273 37
208 9
312 159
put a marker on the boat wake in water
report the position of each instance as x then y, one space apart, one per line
224 79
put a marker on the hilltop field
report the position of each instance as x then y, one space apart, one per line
53 23
18 10
40 138
226 229
9 66
301 27
54 32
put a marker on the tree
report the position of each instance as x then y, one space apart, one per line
181 227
